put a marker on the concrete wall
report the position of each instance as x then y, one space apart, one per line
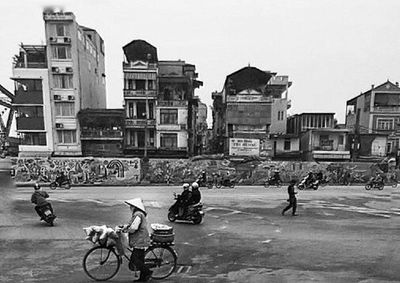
294 145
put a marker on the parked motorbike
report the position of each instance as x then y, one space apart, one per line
311 185
271 181
62 182
372 184
46 214
193 212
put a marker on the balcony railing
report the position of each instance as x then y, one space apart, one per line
173 103
30 65
140 93
139 123
386 109
101 134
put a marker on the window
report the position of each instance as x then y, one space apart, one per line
286 145
65 109
385 124
63 81
33 139
341 139
169 140
140 84
141 110
169 116
60 30
130 84
150 85
66 136
61 52
280 115
31 111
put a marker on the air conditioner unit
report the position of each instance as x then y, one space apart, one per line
68 69
67 39
53 39
55 69
57 97
59 125
71 97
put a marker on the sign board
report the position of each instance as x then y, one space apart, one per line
248 98
244 147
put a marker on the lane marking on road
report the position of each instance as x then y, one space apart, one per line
266 241
352 208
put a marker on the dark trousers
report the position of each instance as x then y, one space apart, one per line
292 204
137 259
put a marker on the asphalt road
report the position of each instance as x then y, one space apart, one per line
342 234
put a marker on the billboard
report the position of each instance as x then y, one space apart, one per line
244 147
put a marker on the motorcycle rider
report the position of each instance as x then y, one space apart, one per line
309 178
195 195
183 199
39 198
378 179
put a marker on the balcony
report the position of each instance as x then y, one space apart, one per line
100 134
152 94
30 124
172 103
139 123
391 109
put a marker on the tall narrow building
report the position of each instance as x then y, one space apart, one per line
53 82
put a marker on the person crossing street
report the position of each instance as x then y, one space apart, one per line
292 199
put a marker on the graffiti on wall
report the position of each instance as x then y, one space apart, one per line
79 170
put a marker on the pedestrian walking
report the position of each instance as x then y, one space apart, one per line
292 199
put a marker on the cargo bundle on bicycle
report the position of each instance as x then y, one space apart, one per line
162 234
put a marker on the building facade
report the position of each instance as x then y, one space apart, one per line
319 139
252 105
159 102
53 82
371 116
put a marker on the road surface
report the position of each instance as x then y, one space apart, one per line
342 234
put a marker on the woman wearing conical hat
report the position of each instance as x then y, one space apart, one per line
139 238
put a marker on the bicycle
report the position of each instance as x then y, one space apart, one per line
102 262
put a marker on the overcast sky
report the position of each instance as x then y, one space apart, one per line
331 50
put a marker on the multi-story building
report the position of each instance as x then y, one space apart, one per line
374 119
102 132
177 108
53 82
319 138
140 96
252 106
159 103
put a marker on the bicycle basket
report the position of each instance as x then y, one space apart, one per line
162 233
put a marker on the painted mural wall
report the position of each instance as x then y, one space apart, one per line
113 171
80 170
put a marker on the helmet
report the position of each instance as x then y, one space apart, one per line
185 186
36 186
195 185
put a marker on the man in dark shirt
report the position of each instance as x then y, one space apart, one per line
292 199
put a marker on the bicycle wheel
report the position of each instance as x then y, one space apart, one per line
161 260
101 263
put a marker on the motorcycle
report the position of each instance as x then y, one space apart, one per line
226 183
193 212
311 185
374 185
46 214
61 181
272 182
